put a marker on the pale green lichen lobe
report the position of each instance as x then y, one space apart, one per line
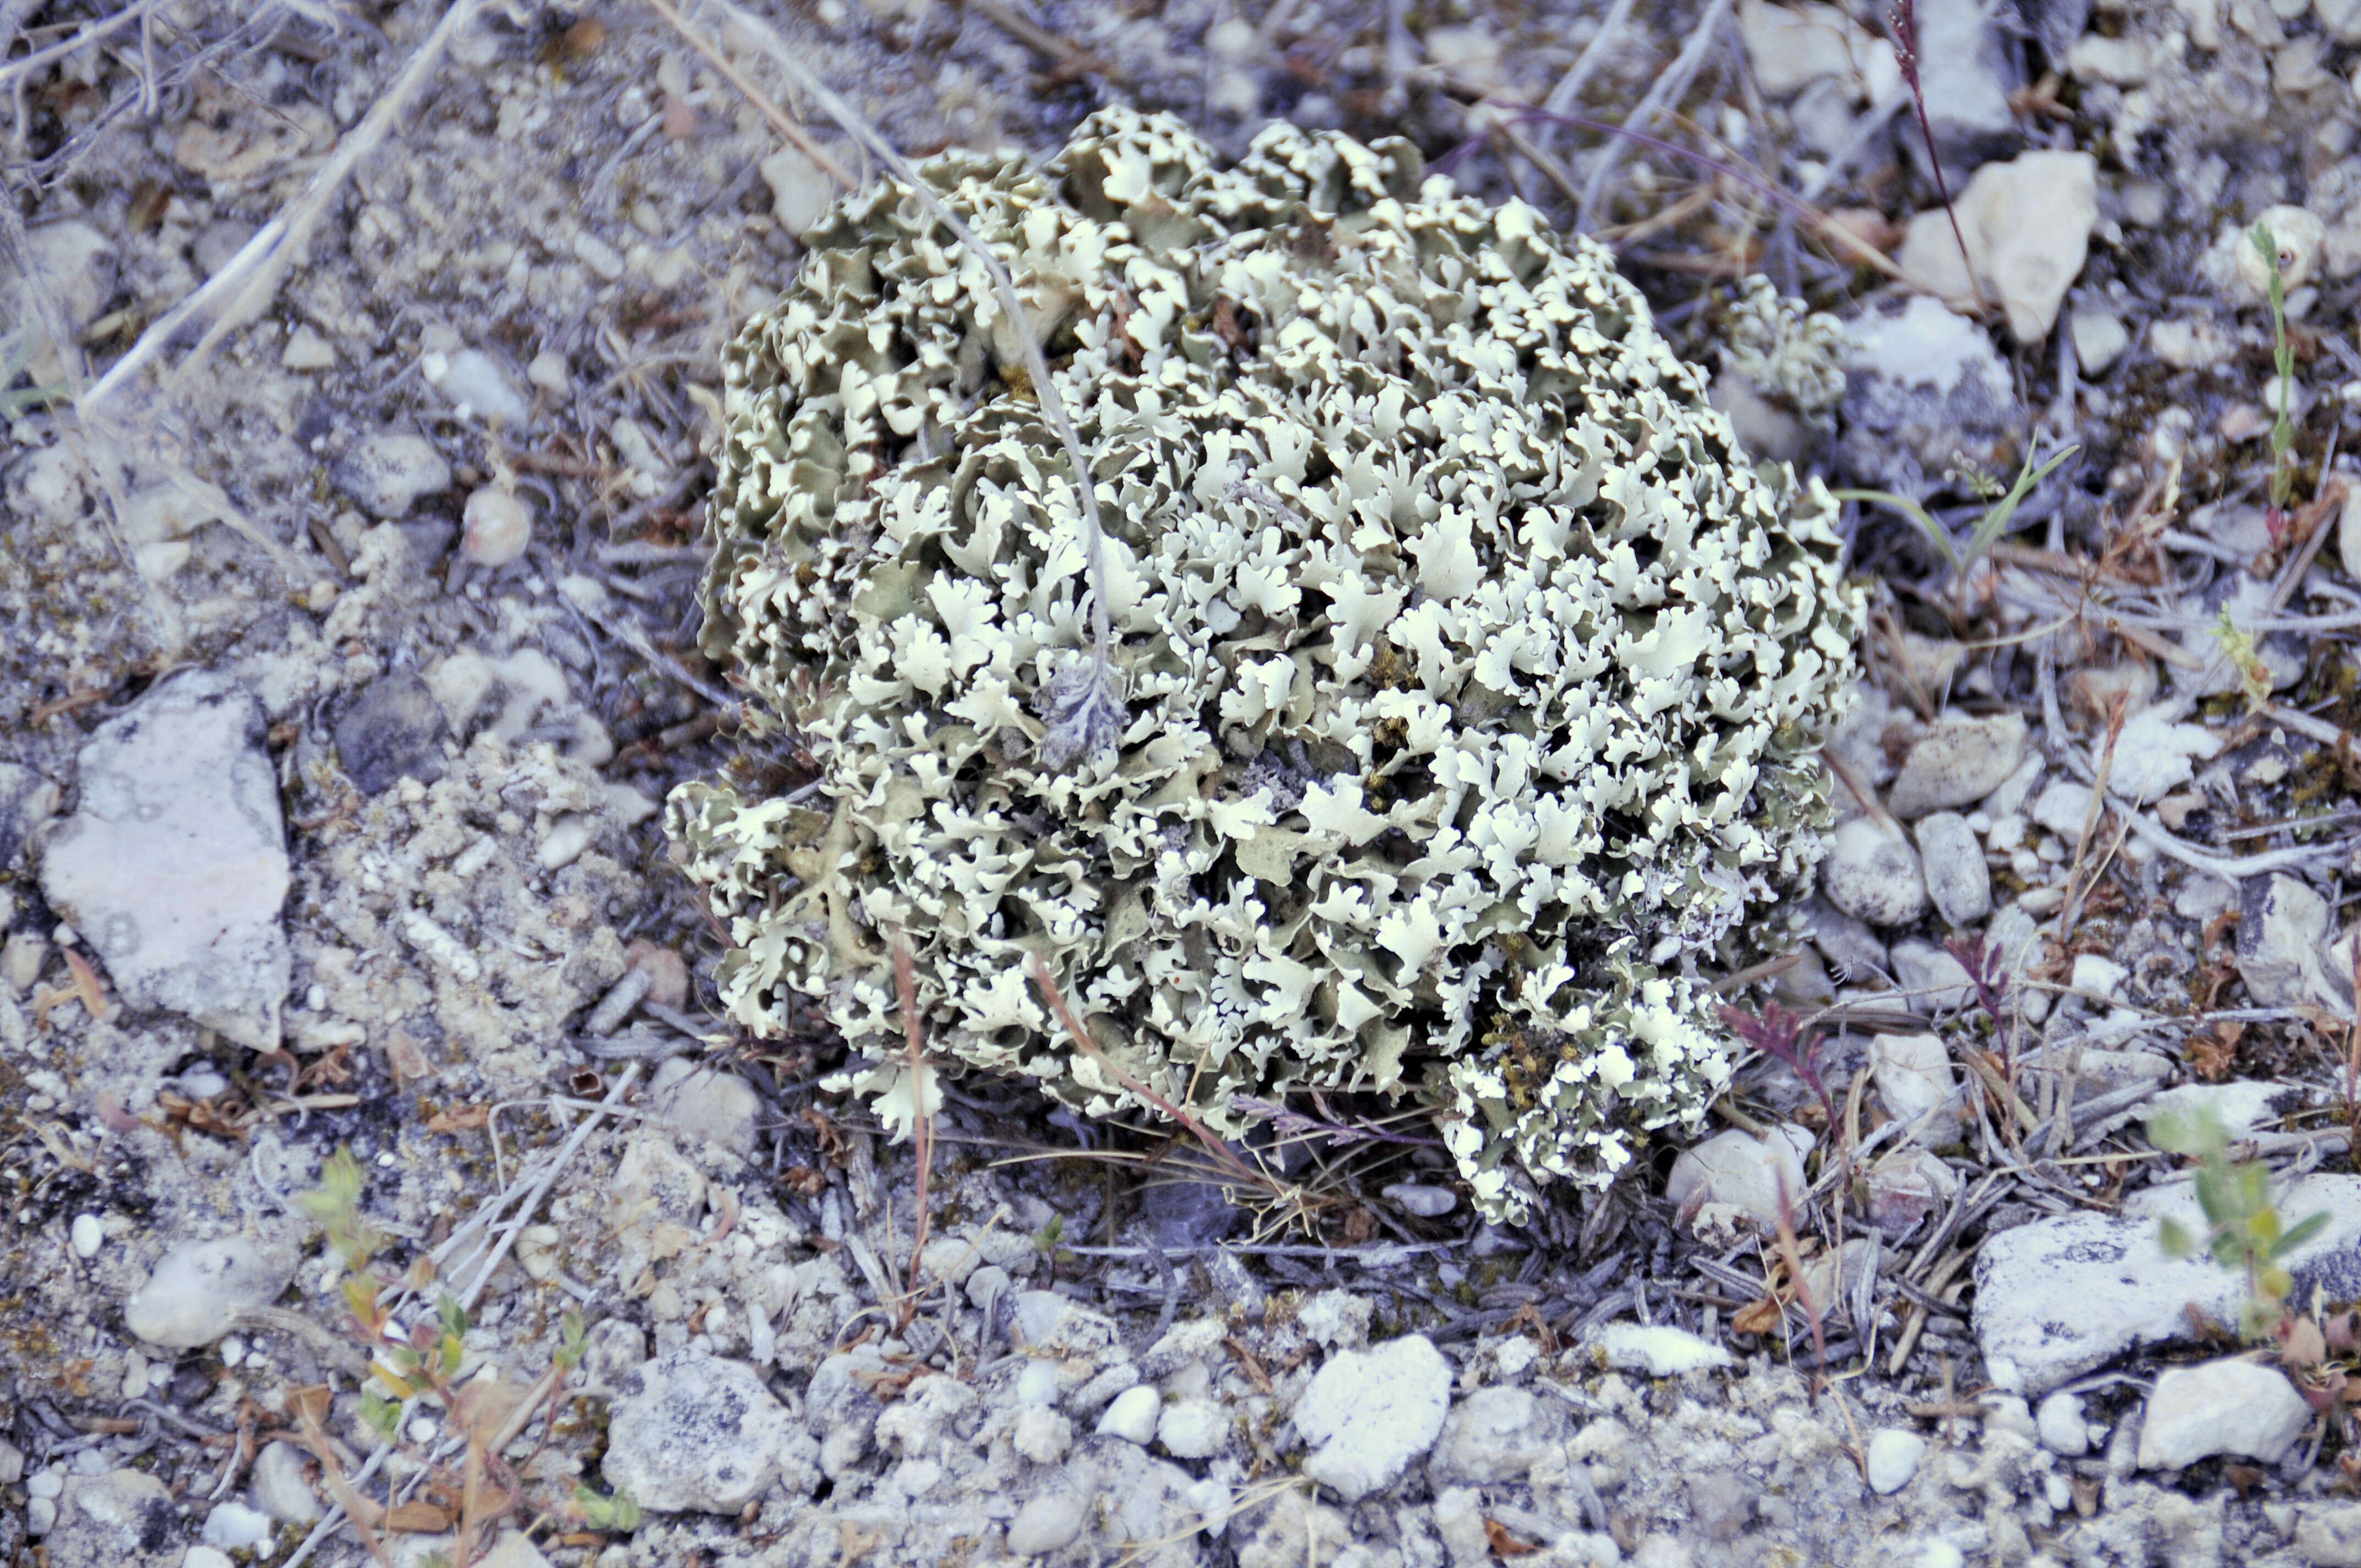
1472 674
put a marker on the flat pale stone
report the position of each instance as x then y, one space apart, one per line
1658 1350
1751 1173
1892 1459
2067 1294
173 866
2230 1406
197 1290
702 1433
1369 1413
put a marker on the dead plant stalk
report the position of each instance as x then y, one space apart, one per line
922 1121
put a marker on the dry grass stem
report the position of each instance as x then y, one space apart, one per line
248 280
1666 92
786 124
922 1120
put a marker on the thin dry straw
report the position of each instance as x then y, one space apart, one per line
251 276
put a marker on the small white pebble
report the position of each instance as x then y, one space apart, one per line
499 527
548 372
232 1351
1037 1386
40 1517
423 1430
1133 1415
49 1483
88 1235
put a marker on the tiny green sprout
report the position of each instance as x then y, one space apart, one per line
2283 361
573 1343
2238 645
336 1205
1961 558
17 350
1045 1240
379 1414
617 1515
2243 1229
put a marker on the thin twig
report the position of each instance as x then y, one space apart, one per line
922 1119
1667 90
17 71
1569 90
249 278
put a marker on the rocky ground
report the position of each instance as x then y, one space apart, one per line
360 377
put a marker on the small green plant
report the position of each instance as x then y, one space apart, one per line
334 1204
1046 1239
421 1364
2243 1228
2283 362
1960 558
2238 645
16 351
615 1515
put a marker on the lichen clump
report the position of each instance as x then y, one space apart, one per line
1472 673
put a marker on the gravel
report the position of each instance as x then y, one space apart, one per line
334 766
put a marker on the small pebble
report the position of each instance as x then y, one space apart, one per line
987 1284
1192 1428
2237 1408
1749 1173
548 371
47 1484
471 379
497 526
208 1557
198 1287
307 350
1892 1459
1956 763
1426 1202
40 1517
1049 1522
1935 980
1957 881
1042 1435
2060 1426
1873 875
1133 1415
232 1526
2100 977
1037 1384
88 1235
387 472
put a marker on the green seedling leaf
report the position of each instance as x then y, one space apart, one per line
336 1205
2174 1238
2301 1232
2282 361
379 1414
573 1343
617 1514
1988 529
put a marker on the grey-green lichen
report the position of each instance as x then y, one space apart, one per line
1789 352
1473 674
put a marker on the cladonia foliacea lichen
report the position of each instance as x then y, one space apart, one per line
1474 677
